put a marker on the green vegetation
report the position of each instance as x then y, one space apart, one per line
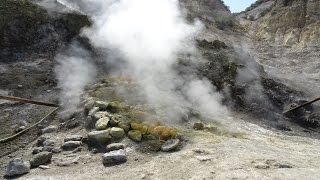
254 5
223 21
225 6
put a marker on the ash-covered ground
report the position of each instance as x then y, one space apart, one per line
209 102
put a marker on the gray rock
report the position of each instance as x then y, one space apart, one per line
100 114
70 145
73 138
135 135
40 159
101 137
102 123
37 150
19 129
56 150
40 140
17 167
89 105
44 167
117 132
170 145
115 146
48 143
93 111
49 129
114 157
47 148
103 105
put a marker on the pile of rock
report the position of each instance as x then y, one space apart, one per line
111 126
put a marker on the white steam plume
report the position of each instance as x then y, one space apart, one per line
73 71
150 35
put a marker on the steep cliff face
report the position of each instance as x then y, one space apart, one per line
204 9
289 22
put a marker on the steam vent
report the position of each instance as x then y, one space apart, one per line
159 89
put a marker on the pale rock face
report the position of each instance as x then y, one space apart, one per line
291 23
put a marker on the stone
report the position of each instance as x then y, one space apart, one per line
70 145
89 105
17 167
117 132
37 150
154 145
100 137
102 123
49 129
125 126
40 159
44 167
48 143
93 111
135 135
20 86
40 140
198 126
103 105
170 145
114 158
47 148
115 120
19 129
100 114
115 146
73 138
56 150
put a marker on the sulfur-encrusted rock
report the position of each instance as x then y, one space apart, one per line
102 123
125 126
114 157
17 167
117 132
100 137
40 159
135 135
115 146
115 120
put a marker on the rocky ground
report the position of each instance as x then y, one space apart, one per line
111 138
244 151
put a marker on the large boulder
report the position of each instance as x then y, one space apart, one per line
99 137
114 158
40 159
17 167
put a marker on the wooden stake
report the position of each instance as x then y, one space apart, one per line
302 105
22 100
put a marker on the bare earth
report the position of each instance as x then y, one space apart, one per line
256 153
